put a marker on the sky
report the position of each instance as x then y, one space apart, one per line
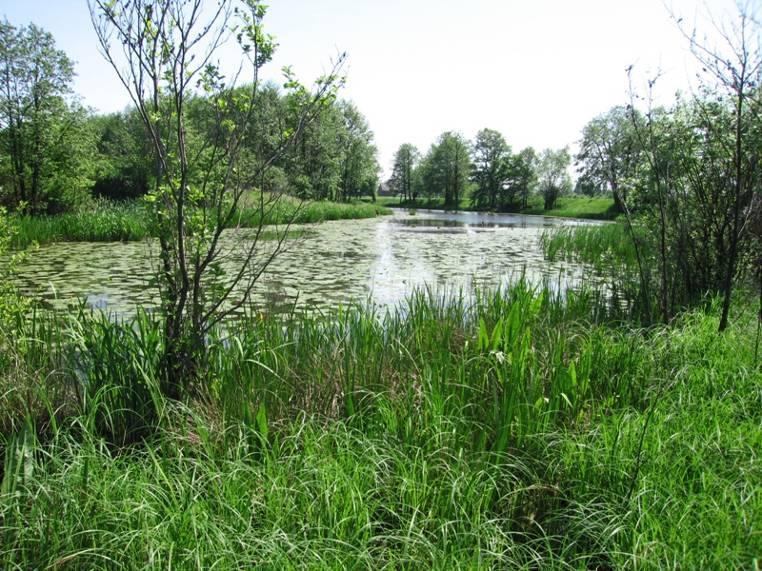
535 70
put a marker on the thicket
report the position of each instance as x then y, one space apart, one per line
56 156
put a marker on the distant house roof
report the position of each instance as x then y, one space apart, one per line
385 189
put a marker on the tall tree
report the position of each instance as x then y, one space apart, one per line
522 177
41 133
445 170
405 160
314 165
609 153
492 161
163 52
359 167
123 161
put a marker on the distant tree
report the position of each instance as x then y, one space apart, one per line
405 160
609 153
492 161
314 165
586 186
359 167
445 170
270 119
553 175
522 177
41 133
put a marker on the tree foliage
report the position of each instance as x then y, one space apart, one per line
553 175
124 152
492 163
696 186
522 176
359 166
402 181
609 153
42 134
446 168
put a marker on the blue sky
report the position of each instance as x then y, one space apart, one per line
537 70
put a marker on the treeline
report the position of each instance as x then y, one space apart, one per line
486 171
56 155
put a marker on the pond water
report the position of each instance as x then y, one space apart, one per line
378 260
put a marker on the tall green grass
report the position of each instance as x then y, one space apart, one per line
287 209
106 222
607 247
513 429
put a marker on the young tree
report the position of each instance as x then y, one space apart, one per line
701 171
735 76
405 161
553 175
492 157
163 52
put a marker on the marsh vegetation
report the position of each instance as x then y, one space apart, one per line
219 350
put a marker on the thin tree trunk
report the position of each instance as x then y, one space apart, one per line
730 269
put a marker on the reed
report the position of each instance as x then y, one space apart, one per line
107 222
608 247
515 428
129 221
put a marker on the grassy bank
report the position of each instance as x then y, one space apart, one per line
520 430
597 208
113 222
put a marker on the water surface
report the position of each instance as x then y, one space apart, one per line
377 260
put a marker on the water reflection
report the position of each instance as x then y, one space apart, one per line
378 260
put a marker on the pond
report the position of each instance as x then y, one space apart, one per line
377 260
